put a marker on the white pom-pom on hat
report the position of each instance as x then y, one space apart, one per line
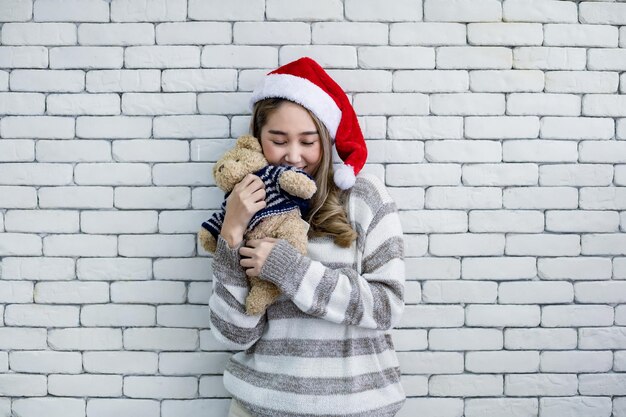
305 82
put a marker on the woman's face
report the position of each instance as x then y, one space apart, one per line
290 138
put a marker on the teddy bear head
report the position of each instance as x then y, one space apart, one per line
245 158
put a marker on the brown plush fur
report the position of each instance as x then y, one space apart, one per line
245 158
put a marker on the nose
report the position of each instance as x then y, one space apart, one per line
292 156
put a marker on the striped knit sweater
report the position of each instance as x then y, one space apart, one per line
323 349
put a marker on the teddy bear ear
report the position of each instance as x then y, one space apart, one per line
249 142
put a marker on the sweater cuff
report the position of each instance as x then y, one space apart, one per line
228 257
280 266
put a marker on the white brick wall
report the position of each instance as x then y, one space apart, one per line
499 127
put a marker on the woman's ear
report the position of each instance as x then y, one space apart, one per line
249 142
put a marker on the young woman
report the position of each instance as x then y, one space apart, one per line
323 347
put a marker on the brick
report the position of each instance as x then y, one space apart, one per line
151 151
18 150
118 173
48 80
44 362
212 386
541 11
286 10
419 174
195 33
543 245
543 104
462 10
502 315
271 33
602 384
427 33
582 221
432 316
574 268
122 34
602 198
206 198
19 244
607 60
540 384
75 197
540 197
72 151
195 126
577 362
508 127
507 34
535 292
350 33
459 292
604 105
113 127
391 104
70 292
183 316
148 10
603 244
580 35
22 385
549 58
110 269
201 291
38 34
329 56
85 385
467 104
575 406
4 80
239 56
79 245
474 57
600 292
467 244
602 338
603 13
378 10
121 362
123 80
426 220
426 127
38 269
395 151
86 57
575 175
158 103
540 339
460 197
22 103
16 292
162 57
573 128
539 151
602 151
123 407
69 407
238 10
502 362
152 197
576 315
182 174
70 10
85 339
116 222
503 174
13 338
506 81
430 81
16 10
465 385
199 80
185 363
153 292
177 221
397 57
41 316
117 315
499 268
431 362
364 81
160 339
23 57
465 339
492 407
581 82
41 221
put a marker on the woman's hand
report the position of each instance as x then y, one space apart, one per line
256 252
244 201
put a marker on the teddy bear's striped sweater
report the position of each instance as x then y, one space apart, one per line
323 348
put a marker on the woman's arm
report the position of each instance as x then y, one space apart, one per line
374 299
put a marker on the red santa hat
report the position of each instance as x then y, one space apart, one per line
305 82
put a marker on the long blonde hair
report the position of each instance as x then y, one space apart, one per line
327 216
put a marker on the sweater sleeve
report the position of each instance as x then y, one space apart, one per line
230 325
373 298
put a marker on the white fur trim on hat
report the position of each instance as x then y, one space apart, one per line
344 177
303 92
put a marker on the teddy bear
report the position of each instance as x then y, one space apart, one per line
288 191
